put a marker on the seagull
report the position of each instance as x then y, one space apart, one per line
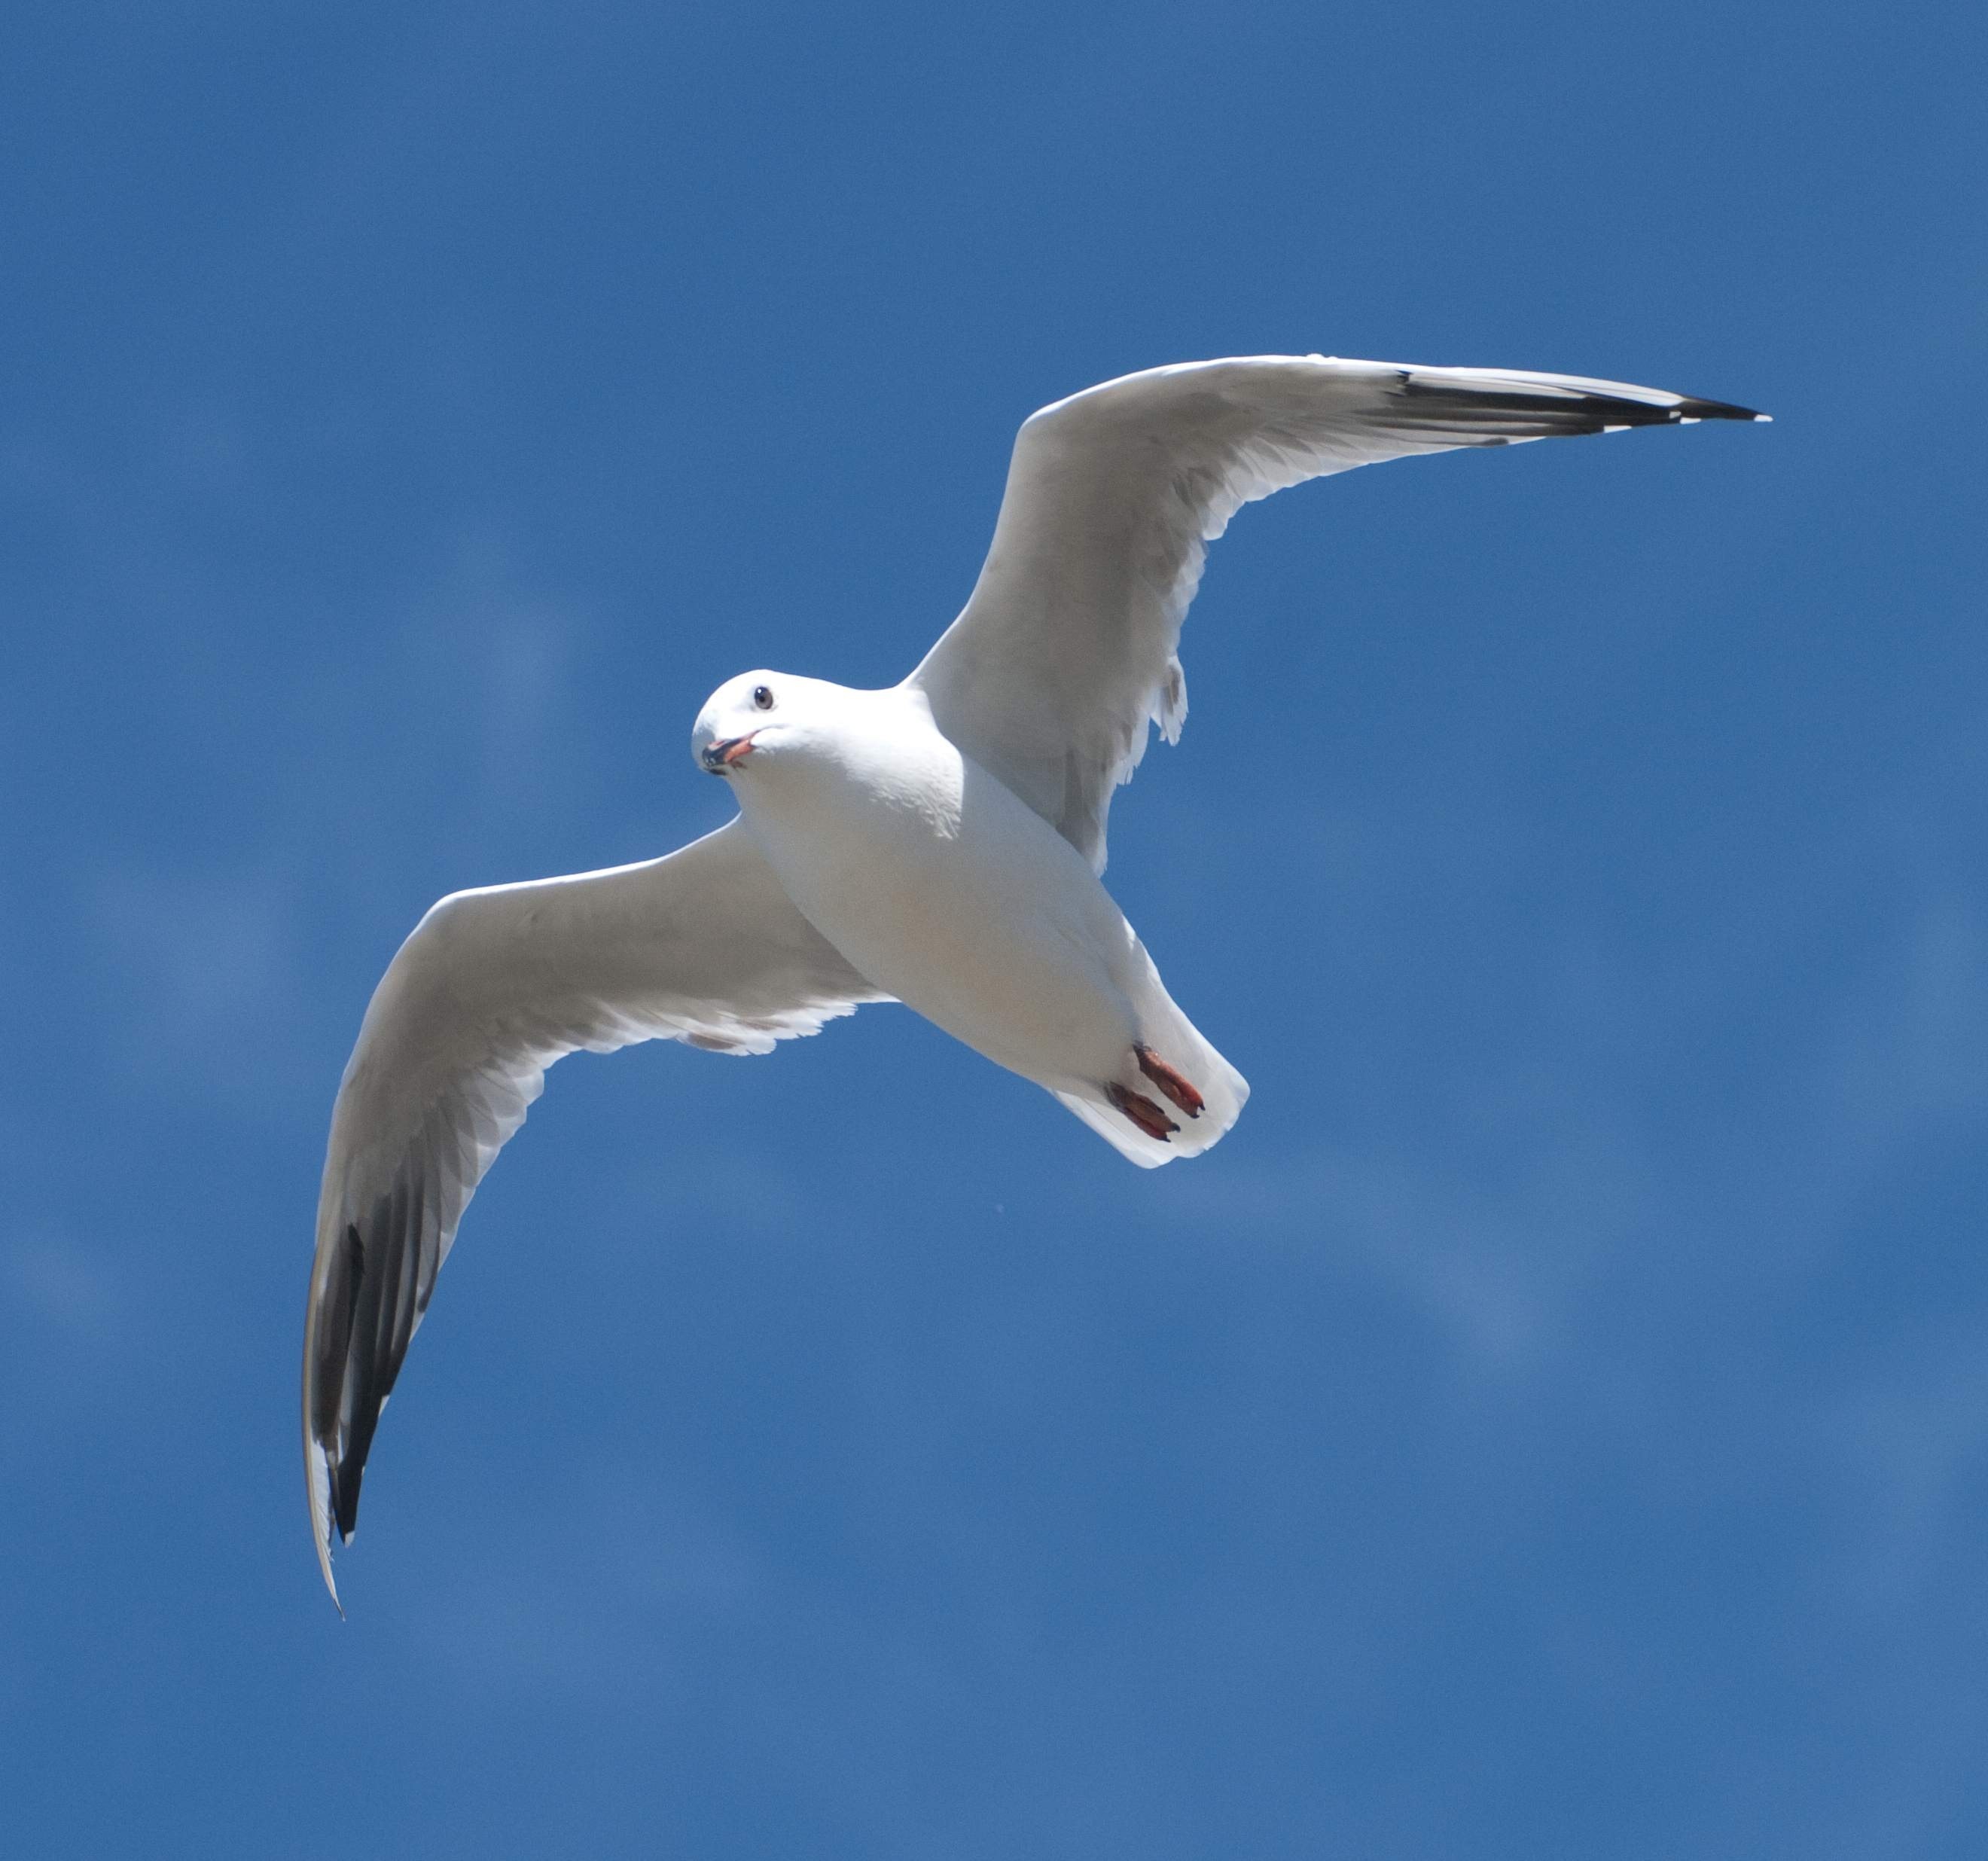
938 844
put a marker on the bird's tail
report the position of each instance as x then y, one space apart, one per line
1174 1046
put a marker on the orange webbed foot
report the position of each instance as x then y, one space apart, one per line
1176 1086
1142 1112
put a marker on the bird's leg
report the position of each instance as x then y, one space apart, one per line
1142 1111
1175 1085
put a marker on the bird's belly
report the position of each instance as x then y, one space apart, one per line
997 932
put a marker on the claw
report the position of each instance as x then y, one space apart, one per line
1142 1112
1175 1085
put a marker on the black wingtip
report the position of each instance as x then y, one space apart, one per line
1486 415
354 1286
1691 408
345 1500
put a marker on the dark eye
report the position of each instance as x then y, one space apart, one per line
762 696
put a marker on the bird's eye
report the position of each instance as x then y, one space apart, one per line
762 696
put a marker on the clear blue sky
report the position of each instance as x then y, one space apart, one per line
1555 1423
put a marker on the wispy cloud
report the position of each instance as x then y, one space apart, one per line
556 1604
202 975
56 1287
67 1309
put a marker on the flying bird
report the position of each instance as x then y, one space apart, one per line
939 843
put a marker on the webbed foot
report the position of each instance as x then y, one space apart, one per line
1142 1111
1175 1085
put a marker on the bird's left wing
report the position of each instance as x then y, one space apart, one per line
1066 650
493 987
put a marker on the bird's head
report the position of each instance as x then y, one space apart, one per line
750 715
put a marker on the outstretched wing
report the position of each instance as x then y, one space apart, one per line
1066 650
491 989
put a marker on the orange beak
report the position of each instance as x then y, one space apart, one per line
727 752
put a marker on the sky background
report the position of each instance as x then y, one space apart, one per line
1554 1423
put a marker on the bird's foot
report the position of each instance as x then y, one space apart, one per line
1175 1085
1142 1112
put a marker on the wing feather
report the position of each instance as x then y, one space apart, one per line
1067 650
493 987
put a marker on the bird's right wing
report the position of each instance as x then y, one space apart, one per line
1068 648
494 985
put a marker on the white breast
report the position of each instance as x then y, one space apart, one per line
941 887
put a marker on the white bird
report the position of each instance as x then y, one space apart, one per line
938 843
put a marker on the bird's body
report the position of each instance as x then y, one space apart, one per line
940 843
946 892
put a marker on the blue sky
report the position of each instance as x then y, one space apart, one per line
1554 1422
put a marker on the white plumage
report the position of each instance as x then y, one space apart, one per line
939 842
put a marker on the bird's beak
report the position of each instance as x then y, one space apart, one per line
724 752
